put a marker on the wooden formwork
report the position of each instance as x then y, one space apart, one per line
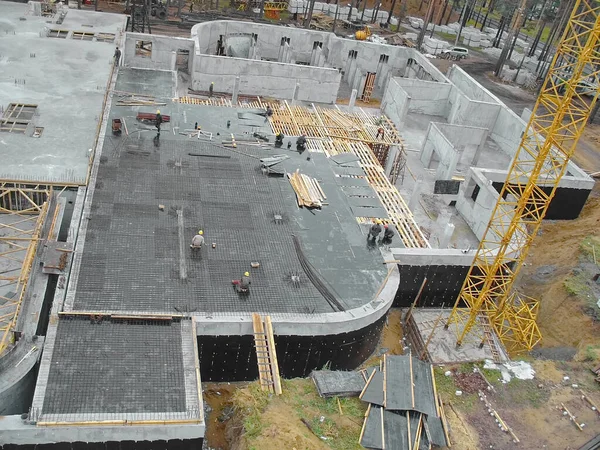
332 131
23 210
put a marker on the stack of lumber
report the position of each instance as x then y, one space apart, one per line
405 411
131 99
308 190
321 22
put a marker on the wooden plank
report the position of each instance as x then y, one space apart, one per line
273 355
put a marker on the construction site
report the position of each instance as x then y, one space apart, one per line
324 224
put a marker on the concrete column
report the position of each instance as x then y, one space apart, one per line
236 91
281 49
287 53
477 154
447 235
443 219
295 93
352 98
313 56
361 83
414 197
173 60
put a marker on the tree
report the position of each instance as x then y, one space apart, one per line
391 11
308 18
547 15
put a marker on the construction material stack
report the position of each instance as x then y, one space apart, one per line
405 411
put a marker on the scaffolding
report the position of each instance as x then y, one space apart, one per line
555 126
23 210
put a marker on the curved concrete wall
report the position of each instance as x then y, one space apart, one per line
18 372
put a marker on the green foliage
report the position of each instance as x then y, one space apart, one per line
576 284
525 393
589 247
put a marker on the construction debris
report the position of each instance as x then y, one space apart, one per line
572 418
131 99
308 190
404 410
501 424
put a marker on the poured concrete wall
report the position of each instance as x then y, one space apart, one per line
265 78
426 97
395 103
476 212
470 87
164 51
507 131
437 147
466 111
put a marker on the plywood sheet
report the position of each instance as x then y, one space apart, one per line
395 430
423 386
374 390
399 383
372 434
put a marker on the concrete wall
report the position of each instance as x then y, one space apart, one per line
466 111
451 146
477 213
265 78
164 51
426 97
395 103
437 147
507 131
469 86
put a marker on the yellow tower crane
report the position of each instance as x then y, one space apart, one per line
555 126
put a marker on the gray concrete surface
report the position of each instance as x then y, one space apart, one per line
60 71
442 343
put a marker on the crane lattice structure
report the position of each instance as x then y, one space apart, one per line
555 126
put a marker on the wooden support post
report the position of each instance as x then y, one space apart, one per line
409 313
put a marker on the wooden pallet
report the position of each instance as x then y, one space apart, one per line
266 356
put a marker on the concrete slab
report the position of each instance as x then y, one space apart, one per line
442 346
51 73
200 177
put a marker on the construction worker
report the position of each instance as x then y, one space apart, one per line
301 143
279 140
211 89
198 241
375 230
159 120
117 56
269 111
380 132
242 286
388 234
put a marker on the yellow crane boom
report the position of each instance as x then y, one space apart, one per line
555 126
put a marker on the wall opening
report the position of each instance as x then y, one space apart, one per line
17 117
183 59
143 49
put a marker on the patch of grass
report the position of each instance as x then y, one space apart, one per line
447 389
589 247
591 353
446 36
525 393
577 284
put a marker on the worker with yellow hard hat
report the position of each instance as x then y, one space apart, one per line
159 120
242 286
198 241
